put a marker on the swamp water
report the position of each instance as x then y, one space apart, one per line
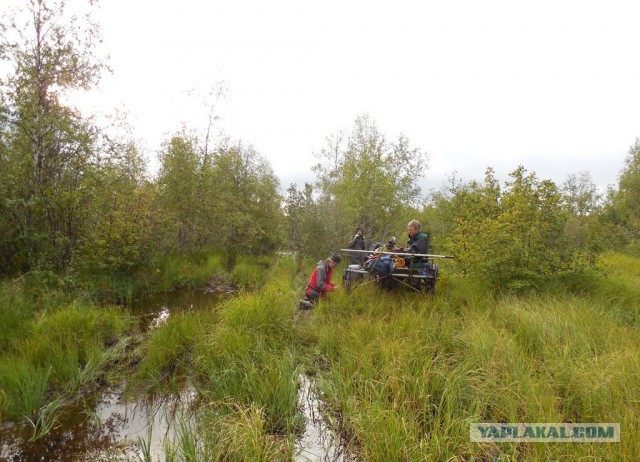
102 426
318 442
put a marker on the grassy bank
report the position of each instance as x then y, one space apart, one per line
408 375
58 337
168 272
51 350
241 358
402 375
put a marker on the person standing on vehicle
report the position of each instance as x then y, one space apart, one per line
320 281
418 241
357 243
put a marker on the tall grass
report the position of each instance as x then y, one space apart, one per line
165 273
403 376
55 351
23 385
408 375
171 271
241 358
251 272
167 351
16 313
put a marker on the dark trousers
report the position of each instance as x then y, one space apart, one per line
313 296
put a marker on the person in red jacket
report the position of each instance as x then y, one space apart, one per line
320 281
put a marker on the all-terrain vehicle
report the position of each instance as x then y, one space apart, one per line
389 269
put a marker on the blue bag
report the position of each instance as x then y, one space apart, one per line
382 266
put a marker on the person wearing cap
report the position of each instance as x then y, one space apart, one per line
357 243
320 281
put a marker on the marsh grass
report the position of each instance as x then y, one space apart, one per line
57 351
50 353
15 315
47 418
241 358
402 376
240 433
234 433
166 352
23 385
166 272
408 375
170 271
145 446
250 272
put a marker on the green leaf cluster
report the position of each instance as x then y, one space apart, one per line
512 235
621 215
74 200
363 179
47 150
226 199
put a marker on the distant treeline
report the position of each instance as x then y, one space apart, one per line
74 200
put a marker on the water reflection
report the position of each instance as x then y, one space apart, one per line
114 429
102 425
155 309
158 319
319 442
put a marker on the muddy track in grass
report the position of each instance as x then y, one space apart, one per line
99 422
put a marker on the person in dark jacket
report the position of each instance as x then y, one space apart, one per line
320 281
357 243
418 241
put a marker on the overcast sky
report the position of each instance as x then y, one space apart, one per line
553 85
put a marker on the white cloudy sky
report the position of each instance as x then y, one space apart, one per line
553 85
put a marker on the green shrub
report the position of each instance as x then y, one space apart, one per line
513 236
